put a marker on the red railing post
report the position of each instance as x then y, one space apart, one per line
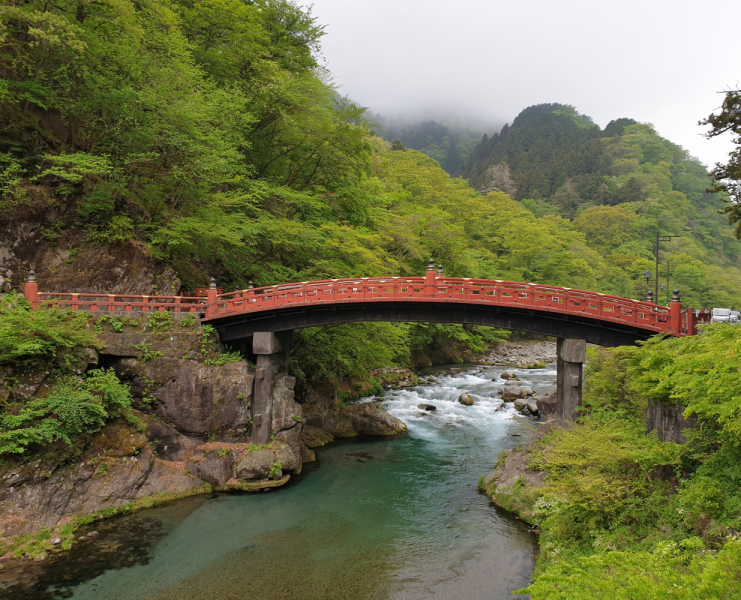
675 312
211 298
31 290
430 278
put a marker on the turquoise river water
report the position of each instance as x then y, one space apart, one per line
396 519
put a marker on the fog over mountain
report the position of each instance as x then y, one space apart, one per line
478 63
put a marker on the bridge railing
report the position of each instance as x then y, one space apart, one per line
122 302
442 289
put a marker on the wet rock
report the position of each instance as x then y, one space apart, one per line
431 379
288 459
334 422
216 467
307 455
118 439
507 376
368 419
465 400
532 407
255 464
427 407
291 438
520 404
547 405
364 418
313 437
513 392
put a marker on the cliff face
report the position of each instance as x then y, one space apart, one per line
45 235
184 395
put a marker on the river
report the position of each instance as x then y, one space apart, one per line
396 519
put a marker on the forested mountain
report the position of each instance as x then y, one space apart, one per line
619 185
450 146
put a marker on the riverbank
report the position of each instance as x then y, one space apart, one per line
617 510
386 517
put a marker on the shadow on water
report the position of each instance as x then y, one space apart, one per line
380 518
123 542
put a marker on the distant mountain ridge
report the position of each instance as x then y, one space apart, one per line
618 185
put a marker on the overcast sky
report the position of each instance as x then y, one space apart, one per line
656 61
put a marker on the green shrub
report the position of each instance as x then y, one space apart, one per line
75 406
28 334
160 321
671 571
224 359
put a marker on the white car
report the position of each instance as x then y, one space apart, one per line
735 316
721 315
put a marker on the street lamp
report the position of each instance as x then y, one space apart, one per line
649 293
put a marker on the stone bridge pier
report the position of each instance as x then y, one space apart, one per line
272 360
571 355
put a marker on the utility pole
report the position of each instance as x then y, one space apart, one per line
661 238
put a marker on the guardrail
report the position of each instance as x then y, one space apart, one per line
121 302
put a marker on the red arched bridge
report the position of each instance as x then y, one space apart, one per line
266 317
547 310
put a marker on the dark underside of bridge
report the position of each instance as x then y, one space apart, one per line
594 331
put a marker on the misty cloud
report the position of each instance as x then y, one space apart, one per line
480 62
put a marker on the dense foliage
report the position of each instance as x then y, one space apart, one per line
348 353
43 343
624 512
27 335
73 407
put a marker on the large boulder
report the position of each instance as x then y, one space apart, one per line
465 400
289 460
213 466
547 405
513 392
255 464
292 439
313 437
368 419
334 422
520 404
